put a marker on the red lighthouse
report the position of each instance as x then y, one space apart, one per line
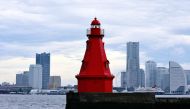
95 73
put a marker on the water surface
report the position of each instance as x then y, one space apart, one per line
32 101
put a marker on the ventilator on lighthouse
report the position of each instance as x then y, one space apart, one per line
95 73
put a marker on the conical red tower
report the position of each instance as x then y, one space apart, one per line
95 73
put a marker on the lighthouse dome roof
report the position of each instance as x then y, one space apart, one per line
95 22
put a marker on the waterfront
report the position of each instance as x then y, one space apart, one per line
32 101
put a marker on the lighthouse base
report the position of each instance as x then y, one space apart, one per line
98 84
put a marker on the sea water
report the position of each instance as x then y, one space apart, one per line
32 101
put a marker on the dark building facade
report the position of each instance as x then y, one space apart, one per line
141 78
44 60
19 79
22 79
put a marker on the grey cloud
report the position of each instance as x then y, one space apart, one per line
30 26
71 49
181 31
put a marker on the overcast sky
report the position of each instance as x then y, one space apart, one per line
59 26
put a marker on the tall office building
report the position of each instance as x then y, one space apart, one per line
187 73
54 82
44 60
141 78
160 71
151 69
163 80
35 76
165 83
123 79
132 65
178 83
22 79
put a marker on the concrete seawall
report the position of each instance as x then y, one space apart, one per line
172 103
124 101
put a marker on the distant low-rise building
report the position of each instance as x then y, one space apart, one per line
54 82
19 79
22 79
5 84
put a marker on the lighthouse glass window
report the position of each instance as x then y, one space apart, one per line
87 45
83 65
107 64
95 26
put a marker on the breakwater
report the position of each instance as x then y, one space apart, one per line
123 101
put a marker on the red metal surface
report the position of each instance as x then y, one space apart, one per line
95 73
95 22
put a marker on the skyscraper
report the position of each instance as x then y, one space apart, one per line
141 78
163 79
165 83
150 68
35 76
132 64
123 79
44 60
178 83
187 73
161 71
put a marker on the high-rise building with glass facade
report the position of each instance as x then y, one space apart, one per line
150 68
123 79
132 65
187 73
165 83
178 82
44 60
35 76
141 78
163 80
160 71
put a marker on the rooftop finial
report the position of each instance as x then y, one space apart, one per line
95 22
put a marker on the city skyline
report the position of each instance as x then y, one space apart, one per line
59 27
